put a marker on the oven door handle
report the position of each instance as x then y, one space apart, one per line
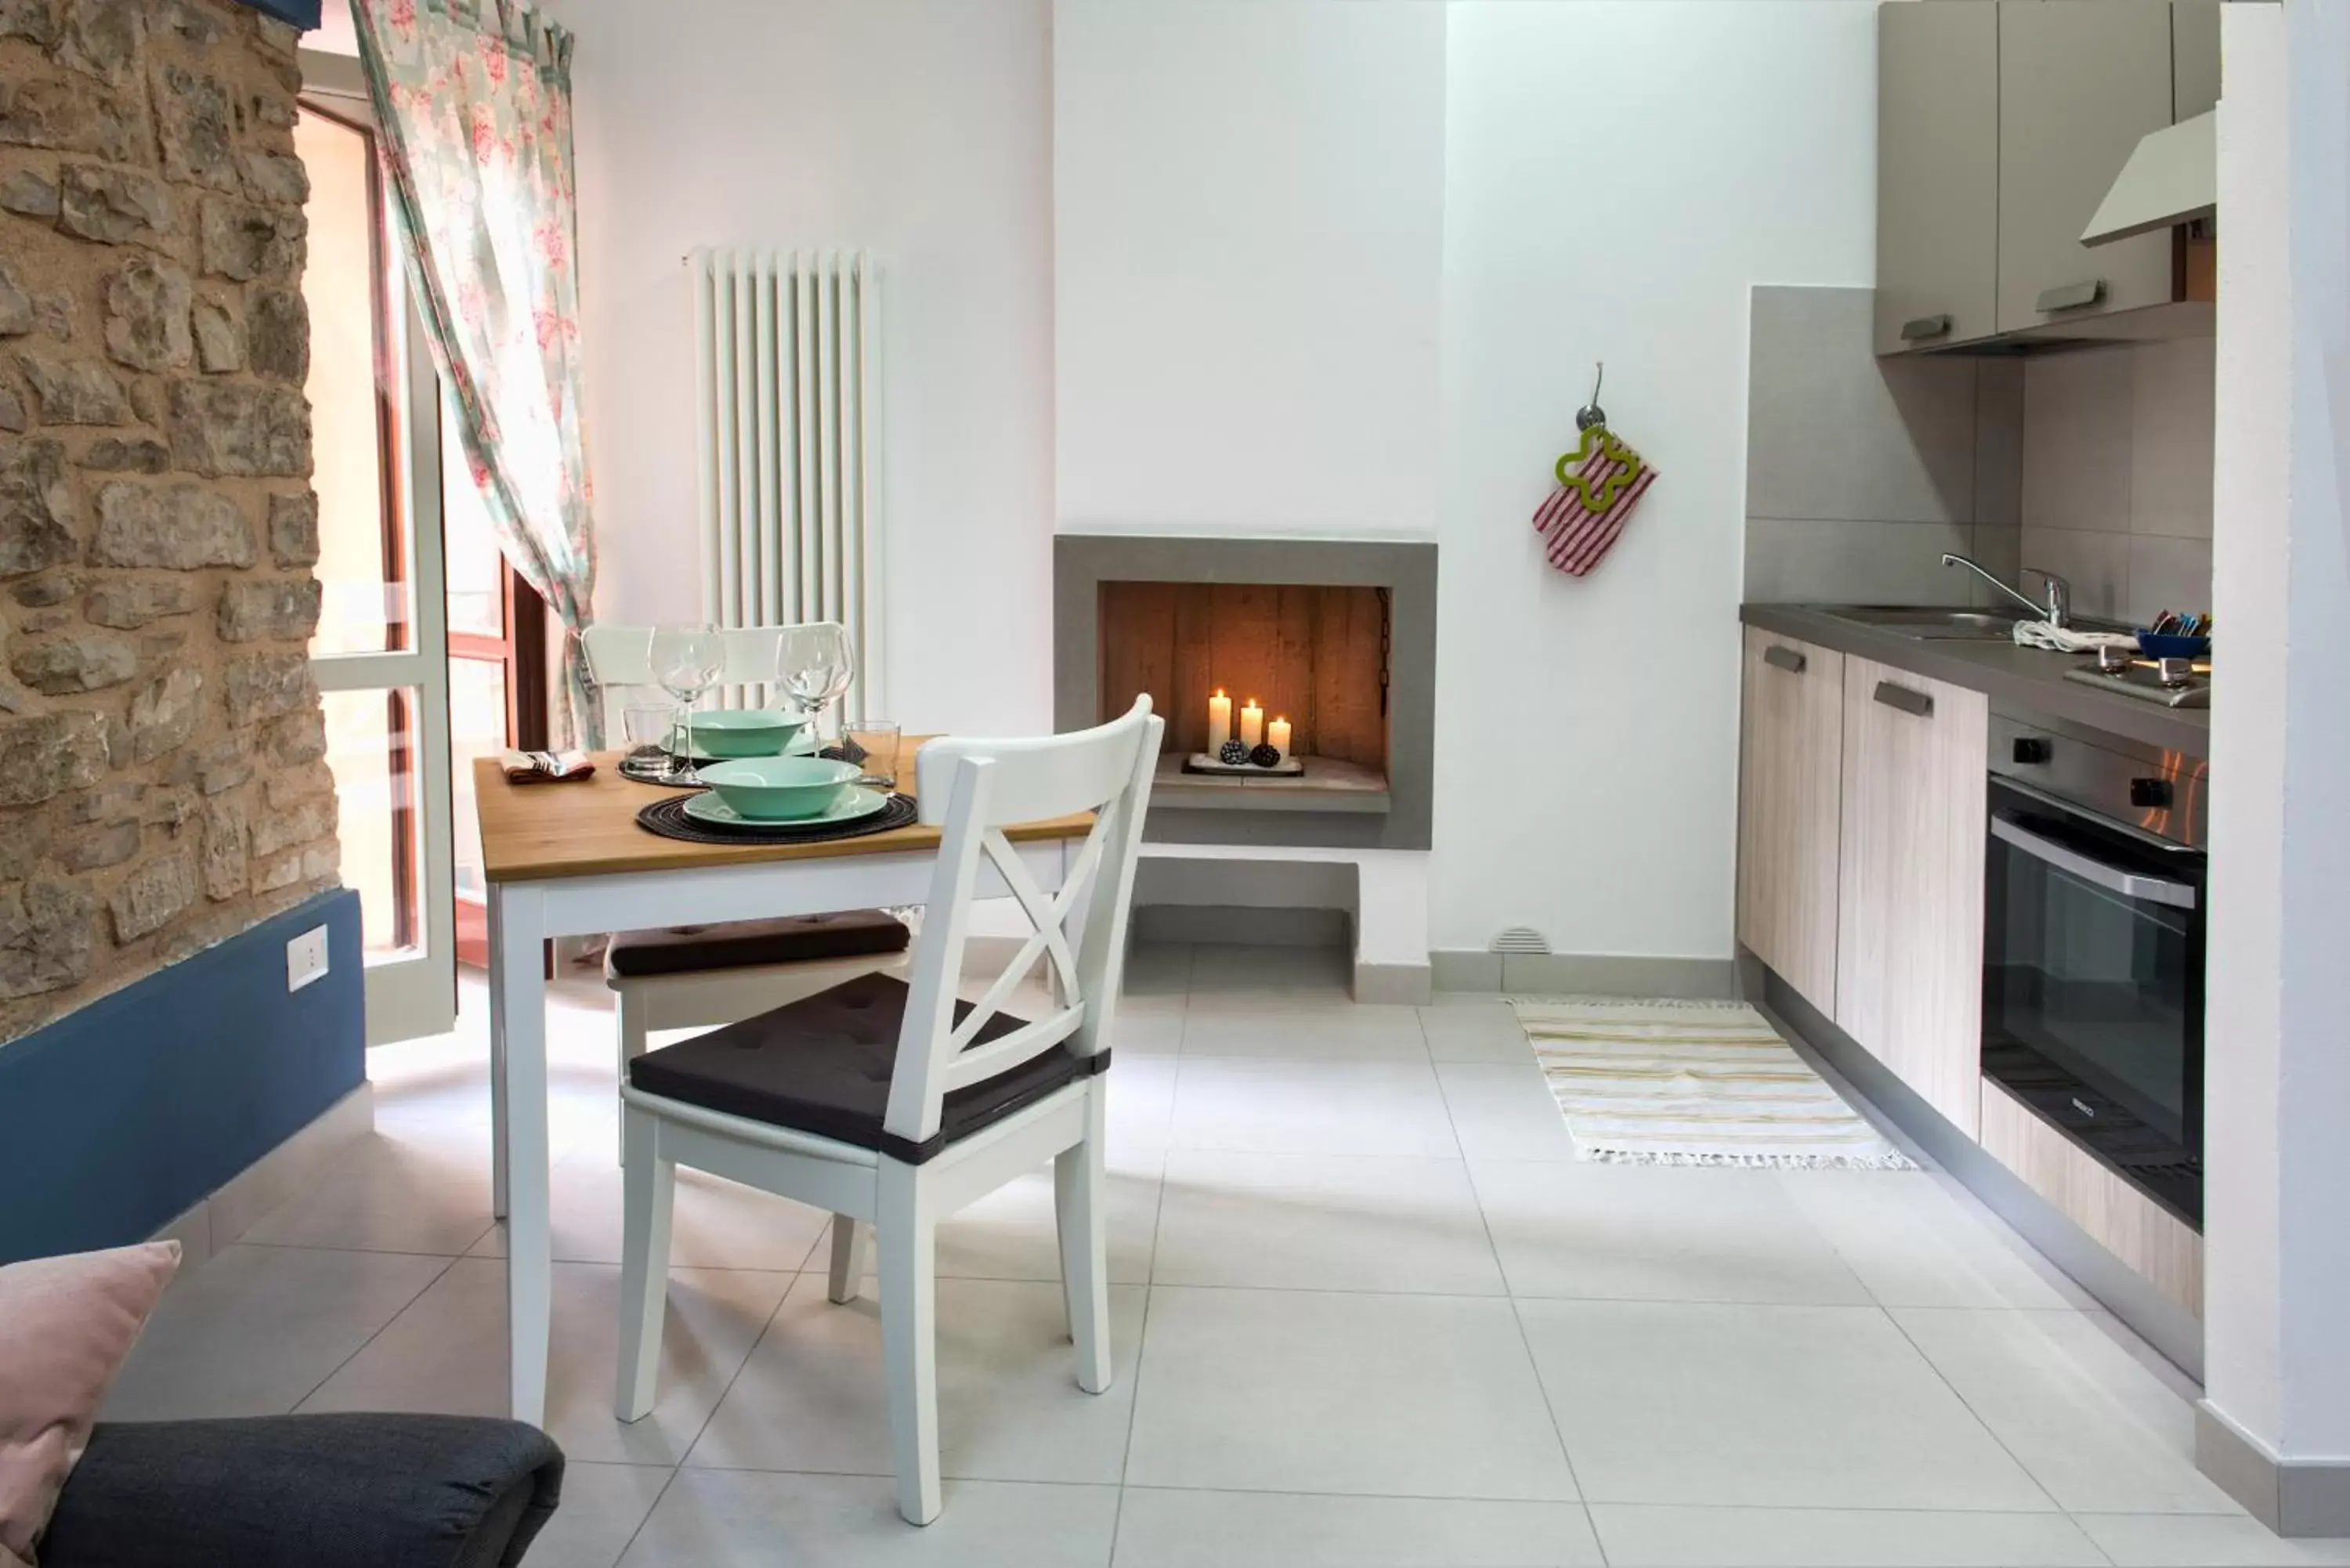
2113 878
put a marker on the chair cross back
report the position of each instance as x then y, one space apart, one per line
971 790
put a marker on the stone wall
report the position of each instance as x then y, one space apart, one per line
162 784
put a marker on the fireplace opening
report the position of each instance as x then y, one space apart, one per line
1304 662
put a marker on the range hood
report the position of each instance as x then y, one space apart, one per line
2172 177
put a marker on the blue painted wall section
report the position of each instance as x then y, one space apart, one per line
303 14
120 1116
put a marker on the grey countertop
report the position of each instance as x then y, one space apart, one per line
2019 680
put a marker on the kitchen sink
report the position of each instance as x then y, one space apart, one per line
1949 623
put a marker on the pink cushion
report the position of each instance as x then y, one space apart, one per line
66 1324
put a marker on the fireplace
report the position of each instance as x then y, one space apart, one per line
1333 638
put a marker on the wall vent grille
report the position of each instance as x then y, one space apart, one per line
1520 939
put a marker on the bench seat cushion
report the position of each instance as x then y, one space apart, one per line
822 1064
743 944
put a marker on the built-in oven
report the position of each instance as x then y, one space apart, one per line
2093 948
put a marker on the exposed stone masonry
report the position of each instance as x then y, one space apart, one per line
161 735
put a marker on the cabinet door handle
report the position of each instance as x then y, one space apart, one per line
1909 701
1924 326
1786 659
2070 296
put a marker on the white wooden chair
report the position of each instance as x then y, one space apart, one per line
696 977
896 1104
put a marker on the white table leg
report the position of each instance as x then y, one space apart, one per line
518 1008
497 1070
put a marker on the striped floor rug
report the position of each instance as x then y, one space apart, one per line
1692 1082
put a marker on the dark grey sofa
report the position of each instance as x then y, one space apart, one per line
306 1491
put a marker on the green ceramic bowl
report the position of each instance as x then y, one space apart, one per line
741 733
780 789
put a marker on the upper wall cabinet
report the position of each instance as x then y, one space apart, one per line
2001 127
2080 82
1937 173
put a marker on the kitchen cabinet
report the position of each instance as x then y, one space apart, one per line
1789 781
1909 905
1937 173
2080 83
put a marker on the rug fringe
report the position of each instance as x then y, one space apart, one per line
1892 1160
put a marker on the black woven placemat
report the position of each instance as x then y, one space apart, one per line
667 818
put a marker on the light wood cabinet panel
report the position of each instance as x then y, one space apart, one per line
1790 784
1910 902
2155 1244
2080 82
1937 173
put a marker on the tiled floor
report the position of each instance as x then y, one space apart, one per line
1369 1310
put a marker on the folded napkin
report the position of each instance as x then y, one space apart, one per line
544 767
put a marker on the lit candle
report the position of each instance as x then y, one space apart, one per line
1220 721
1252 723
1276 735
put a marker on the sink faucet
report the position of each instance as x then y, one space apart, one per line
2058 610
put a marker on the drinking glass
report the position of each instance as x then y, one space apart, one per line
872 744
687 661
814 667
651 730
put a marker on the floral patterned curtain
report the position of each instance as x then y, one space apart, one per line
473 101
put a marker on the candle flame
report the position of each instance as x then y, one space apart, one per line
1220 691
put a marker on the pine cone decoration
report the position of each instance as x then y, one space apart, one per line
1264 756
1233 754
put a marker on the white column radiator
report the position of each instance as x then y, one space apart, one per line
787 371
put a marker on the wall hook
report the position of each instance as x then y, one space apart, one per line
1591 413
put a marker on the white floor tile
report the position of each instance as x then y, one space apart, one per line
448 1352
717 1224
1311 1107
2205 1540
736 1518
812 1397
1642 1537
1147 1025
1011 1234
2094 1427
409 1192
1158 968
1504 1111
1335 1031
1329 1223
257 1328
1462 1031
1789 1407
1141 1102
1310 1392
1915 1243
1280 1529
1289 974
1641 1232
603 1507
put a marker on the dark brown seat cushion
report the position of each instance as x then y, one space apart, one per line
822 1065
742 944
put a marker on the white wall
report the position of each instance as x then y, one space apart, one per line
2278 1363
1248 205
919 129
1619 174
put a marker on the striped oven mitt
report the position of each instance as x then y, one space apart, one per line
1600 483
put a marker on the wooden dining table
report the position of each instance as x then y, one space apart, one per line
571 859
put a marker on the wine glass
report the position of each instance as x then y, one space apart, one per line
814 667
687 660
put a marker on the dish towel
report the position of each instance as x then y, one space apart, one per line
2064 640
1600 483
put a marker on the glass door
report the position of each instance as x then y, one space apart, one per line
380 653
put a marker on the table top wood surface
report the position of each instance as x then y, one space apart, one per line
535 831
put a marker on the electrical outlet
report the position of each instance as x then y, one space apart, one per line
306 958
